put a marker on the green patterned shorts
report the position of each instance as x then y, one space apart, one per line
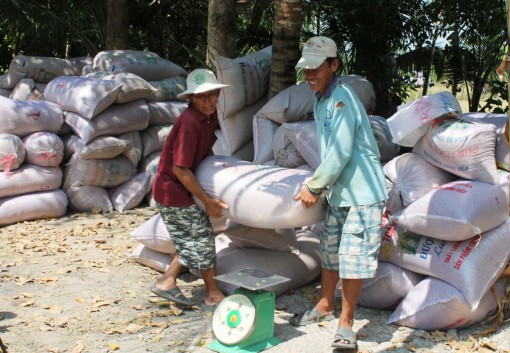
192 235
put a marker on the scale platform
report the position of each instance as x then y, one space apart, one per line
244 321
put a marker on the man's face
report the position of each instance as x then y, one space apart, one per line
320 78
206 102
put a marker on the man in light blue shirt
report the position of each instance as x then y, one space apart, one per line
351 176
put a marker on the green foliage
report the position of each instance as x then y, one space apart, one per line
497 102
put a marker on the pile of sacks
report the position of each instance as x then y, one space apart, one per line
446 233
93 123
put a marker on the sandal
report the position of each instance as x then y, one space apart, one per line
345 338
309 316
174 295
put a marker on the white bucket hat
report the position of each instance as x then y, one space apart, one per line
200 81
315 51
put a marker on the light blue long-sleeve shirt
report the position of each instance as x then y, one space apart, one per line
350 168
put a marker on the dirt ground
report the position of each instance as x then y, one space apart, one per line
67 285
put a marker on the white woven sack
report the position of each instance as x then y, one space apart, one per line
499 121
456 211
292 104
472 266
263 132
117 119
300 269
436 305
154 138
382 134
12 152
220 147
103 59
150 69
79 63
409 177
363 88
168 89
304 137
151 258
387 289
44 149
251 237
154 234
237 128
284 152
22 117
150 165
134 87
245 152
258 196
88 198
100 172
26 89
248 78
412 120
103 147
130 194
165 112
32 206
134 146
29 178
83 95
462 147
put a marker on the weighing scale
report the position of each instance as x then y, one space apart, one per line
244 321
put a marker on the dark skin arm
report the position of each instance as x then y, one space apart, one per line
213 207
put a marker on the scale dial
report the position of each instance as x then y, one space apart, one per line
234 319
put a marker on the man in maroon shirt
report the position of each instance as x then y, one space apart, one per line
188 144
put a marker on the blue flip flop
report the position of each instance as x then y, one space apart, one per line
174 295
344 339
310 316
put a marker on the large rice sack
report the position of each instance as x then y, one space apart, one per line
22 117
455 211
83 95
500 121
436 305
472 266
134 87
100 172
168 89
274 239
130 194
12 152
44 149
39 68
103 147
292 104
153 233
462 147
263 133
134 147
3 91
88 198
363 88
412 120
31 206
150 69
30 178
409 177
248 78
237 128
304 137
382 134
258 196
165 112
104 58
150 165
299 269
117 119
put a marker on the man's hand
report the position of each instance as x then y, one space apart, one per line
215 207
307 198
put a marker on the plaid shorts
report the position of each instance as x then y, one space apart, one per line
350 240
192 235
